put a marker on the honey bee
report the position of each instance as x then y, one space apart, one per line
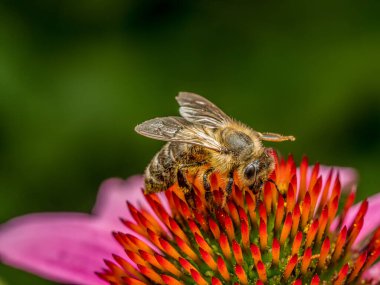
205 136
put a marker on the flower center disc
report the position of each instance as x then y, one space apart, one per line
287 234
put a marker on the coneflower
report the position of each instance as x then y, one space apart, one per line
302 229
290 233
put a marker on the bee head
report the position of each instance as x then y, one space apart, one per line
255 173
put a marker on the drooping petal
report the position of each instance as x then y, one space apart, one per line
113 194
348 176
64 247
373 274
111 201
371 220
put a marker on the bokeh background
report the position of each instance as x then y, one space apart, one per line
77 76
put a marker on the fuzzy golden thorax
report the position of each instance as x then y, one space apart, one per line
246 155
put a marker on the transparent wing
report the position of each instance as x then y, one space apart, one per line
177 129
199 110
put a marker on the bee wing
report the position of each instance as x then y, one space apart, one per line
177 129
199 110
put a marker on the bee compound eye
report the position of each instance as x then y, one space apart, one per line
250 171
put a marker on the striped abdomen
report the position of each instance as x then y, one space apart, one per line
161 173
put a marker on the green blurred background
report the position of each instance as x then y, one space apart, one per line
77 76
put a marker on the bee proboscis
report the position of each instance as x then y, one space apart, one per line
204 137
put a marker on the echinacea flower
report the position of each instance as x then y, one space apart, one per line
291 233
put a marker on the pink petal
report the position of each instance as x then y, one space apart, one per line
373 274
62 247
371 219
348 176
112 197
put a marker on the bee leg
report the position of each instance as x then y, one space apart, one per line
208 193
278 190
274 183
230 183
206 185
186 188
